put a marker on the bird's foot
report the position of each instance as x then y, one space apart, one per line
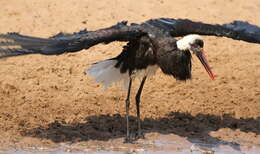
130 139
139 135
134 137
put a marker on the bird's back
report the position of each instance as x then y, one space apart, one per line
136 55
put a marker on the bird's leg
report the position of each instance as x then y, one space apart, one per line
127 105
137 99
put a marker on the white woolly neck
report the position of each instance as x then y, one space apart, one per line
186 41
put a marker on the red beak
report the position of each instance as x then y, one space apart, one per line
200 54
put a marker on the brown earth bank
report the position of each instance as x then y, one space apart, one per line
48 100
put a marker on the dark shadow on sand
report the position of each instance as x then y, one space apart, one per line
105 127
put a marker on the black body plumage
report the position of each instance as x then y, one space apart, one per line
141 53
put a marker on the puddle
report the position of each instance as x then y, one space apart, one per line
153 144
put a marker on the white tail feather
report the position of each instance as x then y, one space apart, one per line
106 73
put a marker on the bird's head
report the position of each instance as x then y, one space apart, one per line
195 44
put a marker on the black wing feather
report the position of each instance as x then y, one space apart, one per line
13 44
15 41
238 30
65 36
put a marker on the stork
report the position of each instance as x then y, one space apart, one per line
151 45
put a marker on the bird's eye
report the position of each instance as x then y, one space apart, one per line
200 43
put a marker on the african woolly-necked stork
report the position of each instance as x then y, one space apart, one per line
151 45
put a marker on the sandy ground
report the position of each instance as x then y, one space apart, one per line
48 101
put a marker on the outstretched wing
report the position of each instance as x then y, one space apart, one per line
238 30
13 44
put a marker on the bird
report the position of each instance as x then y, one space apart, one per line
151 45
141 58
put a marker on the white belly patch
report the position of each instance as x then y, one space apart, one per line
149 71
